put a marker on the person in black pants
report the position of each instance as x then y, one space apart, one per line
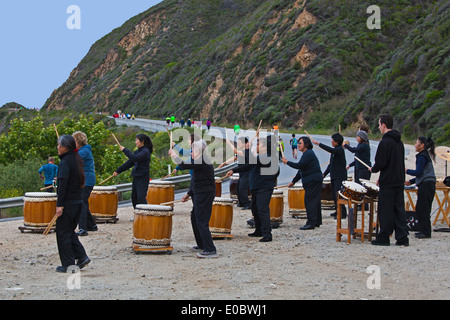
389 161
311 175
425 179
202 190
337 168
140 162
263 171
69 205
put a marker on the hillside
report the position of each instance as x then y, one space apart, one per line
301 63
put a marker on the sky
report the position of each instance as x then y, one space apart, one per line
43 41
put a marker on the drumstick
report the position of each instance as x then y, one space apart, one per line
220 179
56 130
324 164
50 225
171 139
106 179
362 162
115 139
257 131
45 188
171 202
281 186
167 176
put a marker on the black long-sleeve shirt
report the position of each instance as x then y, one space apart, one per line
337 167
308 168
362 151
139 161
69 190
202 178
259 179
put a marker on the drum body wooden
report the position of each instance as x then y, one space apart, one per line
372 189
152 228
221 218
296 200
103 203
326 195
276 207
234 180
38 209
218 187
352 191
160 192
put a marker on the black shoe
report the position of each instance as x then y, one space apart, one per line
404 242
420 235
246 208
83 263
307 227
82 233
255 234
93 228
265 239
61 269
334 214
380 243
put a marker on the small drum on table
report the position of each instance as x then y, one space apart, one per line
276 207
152 228
296 201
234 180
160 191
218 186
103 203
221 218
372 189
39 208
326 196
351 193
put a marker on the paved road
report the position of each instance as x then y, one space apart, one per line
286 172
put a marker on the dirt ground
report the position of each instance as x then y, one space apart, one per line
296 265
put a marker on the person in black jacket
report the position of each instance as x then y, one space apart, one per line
311 175
69 205
389 161
336 168
425 179
202 190
140 162
362 152
263 171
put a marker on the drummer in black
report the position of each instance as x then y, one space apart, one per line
263 171
337 167
390 162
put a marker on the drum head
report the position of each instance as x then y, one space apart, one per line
40 195
160 182
354 186
370 185
104 188
223 200
153 207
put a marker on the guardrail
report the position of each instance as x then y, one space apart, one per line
18 201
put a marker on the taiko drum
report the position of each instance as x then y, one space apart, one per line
103 202
160 191
276 207
221 218
296 200
152 228
38 209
